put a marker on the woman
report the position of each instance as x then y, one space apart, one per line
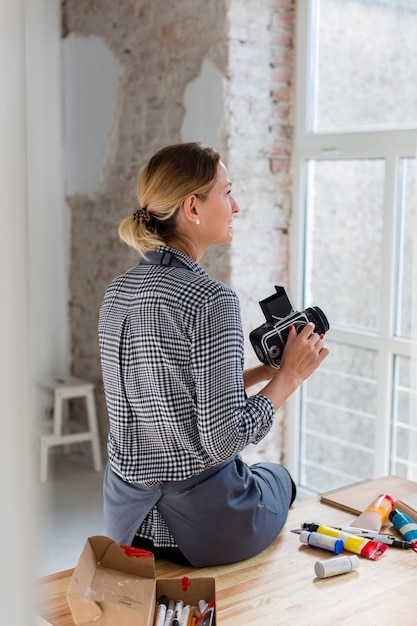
172 360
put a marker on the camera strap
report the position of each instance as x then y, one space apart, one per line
166 258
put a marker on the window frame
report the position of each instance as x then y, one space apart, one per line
390 145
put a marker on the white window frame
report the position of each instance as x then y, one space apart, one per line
390 145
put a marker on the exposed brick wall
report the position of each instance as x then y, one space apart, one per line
161 45
259 122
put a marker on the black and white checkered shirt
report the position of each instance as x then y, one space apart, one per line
171 347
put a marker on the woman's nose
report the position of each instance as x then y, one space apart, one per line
235 206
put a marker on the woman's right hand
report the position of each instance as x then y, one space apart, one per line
304 352
302 355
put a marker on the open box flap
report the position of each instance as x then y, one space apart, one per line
129 560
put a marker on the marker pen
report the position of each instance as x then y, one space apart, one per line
353 543
162 610
352 530
391 541
170 613
372 534
185 614
177 613
202 605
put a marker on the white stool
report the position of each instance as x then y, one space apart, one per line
66 389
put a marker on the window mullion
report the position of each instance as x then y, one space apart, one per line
387 304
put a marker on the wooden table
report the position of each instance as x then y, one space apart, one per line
278 587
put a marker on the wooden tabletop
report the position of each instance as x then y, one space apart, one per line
278 587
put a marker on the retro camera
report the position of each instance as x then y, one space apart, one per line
269 339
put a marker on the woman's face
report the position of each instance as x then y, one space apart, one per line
216 210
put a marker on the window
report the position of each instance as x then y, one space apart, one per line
355 239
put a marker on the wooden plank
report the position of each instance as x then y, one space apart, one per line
53 606
408 504
355 498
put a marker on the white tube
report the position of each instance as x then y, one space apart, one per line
338 565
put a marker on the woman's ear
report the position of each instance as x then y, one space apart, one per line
190 208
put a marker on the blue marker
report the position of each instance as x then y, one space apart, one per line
405 525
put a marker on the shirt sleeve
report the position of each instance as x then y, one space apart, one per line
228 420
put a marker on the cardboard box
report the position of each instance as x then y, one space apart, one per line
114 584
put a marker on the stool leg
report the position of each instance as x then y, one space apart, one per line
57 417
65 423
44 460
92 422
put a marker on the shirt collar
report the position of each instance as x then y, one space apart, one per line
184 258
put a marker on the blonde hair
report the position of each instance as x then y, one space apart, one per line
164 182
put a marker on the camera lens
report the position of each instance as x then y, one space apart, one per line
274 351
315 314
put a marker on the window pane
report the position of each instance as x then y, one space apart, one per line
404 420
344 240
365 76
407 202
338 423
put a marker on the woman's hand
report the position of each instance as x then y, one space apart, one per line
302 355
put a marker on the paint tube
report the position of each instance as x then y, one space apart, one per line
352 543
405 525
338 565
375 514
319 540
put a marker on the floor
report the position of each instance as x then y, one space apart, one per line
72 502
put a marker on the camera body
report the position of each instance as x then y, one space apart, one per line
269 340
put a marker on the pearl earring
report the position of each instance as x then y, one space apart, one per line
197 221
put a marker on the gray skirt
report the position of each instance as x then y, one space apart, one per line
226 514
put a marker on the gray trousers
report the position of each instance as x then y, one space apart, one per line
225 514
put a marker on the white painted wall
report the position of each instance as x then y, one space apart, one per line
90 84
34 335
204 106
49 226
17 523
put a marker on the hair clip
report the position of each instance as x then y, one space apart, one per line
141 215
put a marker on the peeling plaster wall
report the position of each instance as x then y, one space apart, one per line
160 46
164 49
